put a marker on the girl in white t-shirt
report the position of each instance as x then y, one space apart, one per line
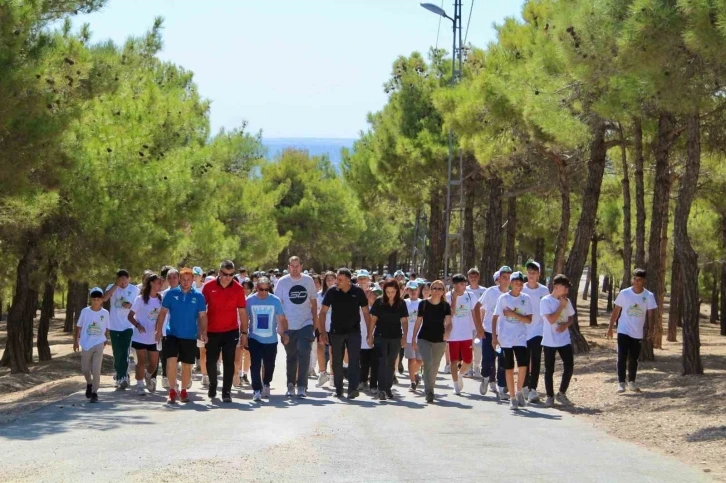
143 314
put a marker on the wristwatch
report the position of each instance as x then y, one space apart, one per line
243 333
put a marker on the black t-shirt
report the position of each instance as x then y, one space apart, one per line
345 307
388 325
434 315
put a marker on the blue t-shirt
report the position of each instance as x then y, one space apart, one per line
263 315
184 310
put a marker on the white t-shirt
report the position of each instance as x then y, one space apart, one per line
146 314
511 332
93 327
634 310
535 295
462 321
412 306
489 303
328 314
363 332
166 320
478 291
120 315
550 337
295 296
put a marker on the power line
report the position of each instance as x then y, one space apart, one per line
466 35
439 29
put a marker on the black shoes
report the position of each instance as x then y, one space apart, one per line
226 398
89 391
353 395
212 393
94 397
429 397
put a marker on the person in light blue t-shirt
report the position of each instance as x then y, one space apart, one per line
267 318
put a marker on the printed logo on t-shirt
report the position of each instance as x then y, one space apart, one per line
94 328
153 314
636 310
298 294
462 311
413 315
517 311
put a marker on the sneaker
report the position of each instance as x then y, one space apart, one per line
290 390
212 393
513 404
457 389
381 396
323 377
503 394
245 380
533 396
184 396
266 391
390 394
483 387
89 391
140 391
520 399
373 390
116 383
550 402
302 393
412 387
621 387
461 383
353 395
563 399
363 387
339 393
226 398
447 369
205 381
493 387
429 397
165 382
172 396
124 383
257 396
633 386
189 385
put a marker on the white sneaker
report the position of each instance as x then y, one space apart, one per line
140 390
470 372
563 399
290 390
513 404
533 396
205 381
447 369
550 402
457 391
483 388
189 386
520 399
525 390
151 386
322 379
257 396
461 383
302 392
633 387
124 383
621 387
503 395
165 382
493 387
266 391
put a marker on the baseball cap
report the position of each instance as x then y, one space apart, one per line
532 263
363 273
277 271
96 292
197 271
412 285
496 275
399 272
377 289
285 272
518 276
505 269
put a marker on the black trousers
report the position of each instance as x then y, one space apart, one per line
226 343
386 351
628 353
261 354
339 343
534 349
369 367
568 362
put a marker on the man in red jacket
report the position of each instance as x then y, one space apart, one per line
227 326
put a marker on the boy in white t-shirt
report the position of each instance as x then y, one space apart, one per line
92 331
473 275
632 306
414 357
465 321
557 312
536 292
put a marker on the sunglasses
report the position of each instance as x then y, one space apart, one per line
260 289
225 274
438 289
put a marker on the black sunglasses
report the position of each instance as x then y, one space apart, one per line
225 274
260 289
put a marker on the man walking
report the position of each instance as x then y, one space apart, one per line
347 302
298 295
489 354
226 304
121 294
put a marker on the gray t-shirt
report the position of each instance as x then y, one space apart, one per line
295 296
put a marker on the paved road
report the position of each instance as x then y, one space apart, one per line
465 438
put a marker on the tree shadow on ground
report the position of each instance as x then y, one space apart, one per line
713 433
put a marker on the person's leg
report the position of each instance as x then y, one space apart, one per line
86 359
549 357
291 349
353 346
140 366
212 350
373 382
237 366
438 350
305 339
466 357
448 356
452 359
365 365
425 348
520 354
568 363
534 347
313 357
477 350
322 359
116 351
186 375
633 354
126 336
153 363
203 361
245 362
230 341
623 349
399 360
171 364
508 356
488 357
381 355
394 350
162 357
269 354
96 364
501 379
337 343
256 355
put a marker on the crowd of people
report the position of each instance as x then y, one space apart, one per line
350 326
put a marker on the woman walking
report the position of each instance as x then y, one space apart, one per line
389 321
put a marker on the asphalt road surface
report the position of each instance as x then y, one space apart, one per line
467 438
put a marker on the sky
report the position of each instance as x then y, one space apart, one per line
293 68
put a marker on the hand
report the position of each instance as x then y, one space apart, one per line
75 346
141 329
509 313
610 333
158 336
563 302
126 305
244 340
403 342
324 338
495 341
285 339
203 337
480 334
561 328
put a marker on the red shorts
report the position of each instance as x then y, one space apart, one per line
461 351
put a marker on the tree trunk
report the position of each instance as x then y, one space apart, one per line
586 224
714 294
723 275
627 223
392 262
609 307
563 183
689 259
472 187
437 236
639 195
47 312
594 282
18 343
658 329
586 290
510 251
492 232
661 195
70 306
606 283
539 256
676 309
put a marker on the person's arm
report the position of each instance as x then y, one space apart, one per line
448 326
613 318
107 294
244 326
478 324
202 326
76 338
313 302
321 324
282 327
135 323
416 328
527 319
160 322
108 336
370 324
495 339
